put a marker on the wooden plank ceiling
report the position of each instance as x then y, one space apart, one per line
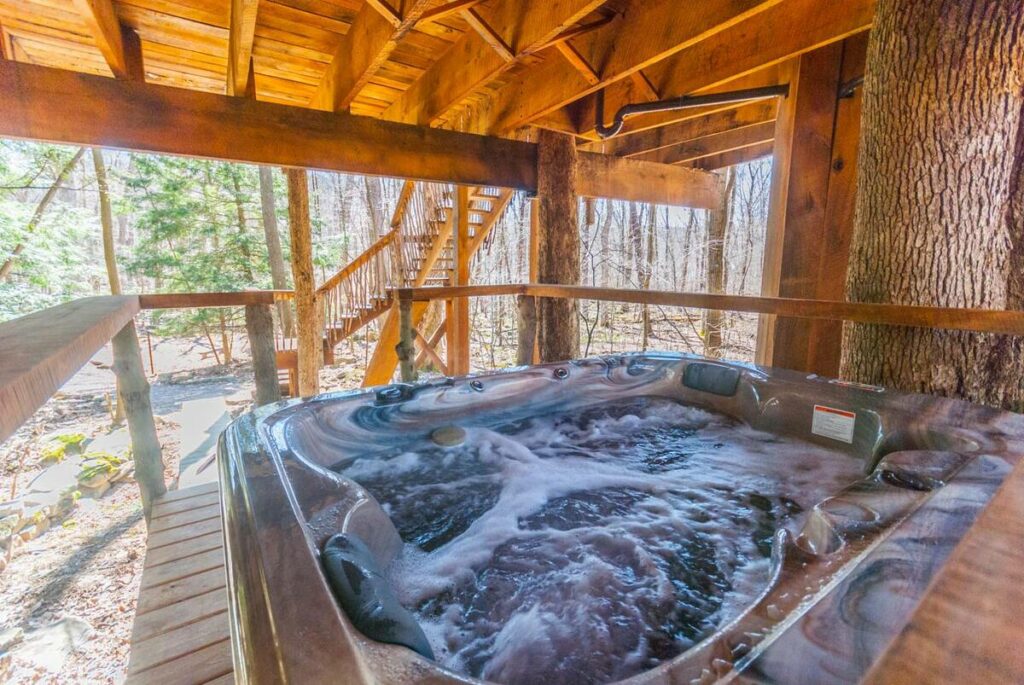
498 67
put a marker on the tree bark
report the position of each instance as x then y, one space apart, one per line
259 325
278 272
37 215
558 244
133 395
718 225
941 124
106 222
310 343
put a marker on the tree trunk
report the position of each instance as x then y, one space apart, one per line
278 272
718 224
941 123
37 215
133 394
558 244
243 225
106 222
259 326
310 344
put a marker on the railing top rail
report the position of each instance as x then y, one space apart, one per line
223 299
980 320
367 254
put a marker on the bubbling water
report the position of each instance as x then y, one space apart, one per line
588 546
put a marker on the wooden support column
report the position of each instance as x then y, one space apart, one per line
458 330
307 314
259 325
405 348
558 244
527 329
133 394
810 217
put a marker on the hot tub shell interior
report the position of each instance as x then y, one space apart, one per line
841 587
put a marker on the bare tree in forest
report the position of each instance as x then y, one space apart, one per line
37 215
278 270
940 162
647 268
718 224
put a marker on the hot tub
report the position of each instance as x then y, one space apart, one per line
649 518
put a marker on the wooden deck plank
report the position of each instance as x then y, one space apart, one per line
173 507
174 535
186 493
201 666
181 634
183 518
183 568
191 610
182 550
180 590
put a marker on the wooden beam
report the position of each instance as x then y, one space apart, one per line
199 300
472 62
458 329
40 351
427 350
646 33
714 144
92 110
773 37
558 243
68 107
771 260
617 177
241 33
445 10
690 129
101 21
489 35
498 208
980 320
362 52
819 212
307 312
743 155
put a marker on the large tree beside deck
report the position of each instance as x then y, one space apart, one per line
941 159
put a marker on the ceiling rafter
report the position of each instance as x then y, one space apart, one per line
123 57
362 52
241 34
712 144
646 33
755 45
490 36
741 155
689 129
471 62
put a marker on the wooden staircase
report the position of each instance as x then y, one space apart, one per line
416 249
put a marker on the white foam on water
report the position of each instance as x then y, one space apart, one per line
618 537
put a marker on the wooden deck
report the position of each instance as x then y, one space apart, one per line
181 633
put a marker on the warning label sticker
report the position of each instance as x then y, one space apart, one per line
833 423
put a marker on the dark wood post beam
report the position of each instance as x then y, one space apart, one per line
61 106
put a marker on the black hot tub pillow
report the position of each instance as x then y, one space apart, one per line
367 597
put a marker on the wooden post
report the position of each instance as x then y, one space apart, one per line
718 225
307 314
527 329
458 336
558 244
259 325
405 349
534 266
811 212
133 394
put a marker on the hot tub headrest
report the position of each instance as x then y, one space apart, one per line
717 379
367 597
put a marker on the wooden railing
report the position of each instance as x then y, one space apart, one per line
41 351
979 320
